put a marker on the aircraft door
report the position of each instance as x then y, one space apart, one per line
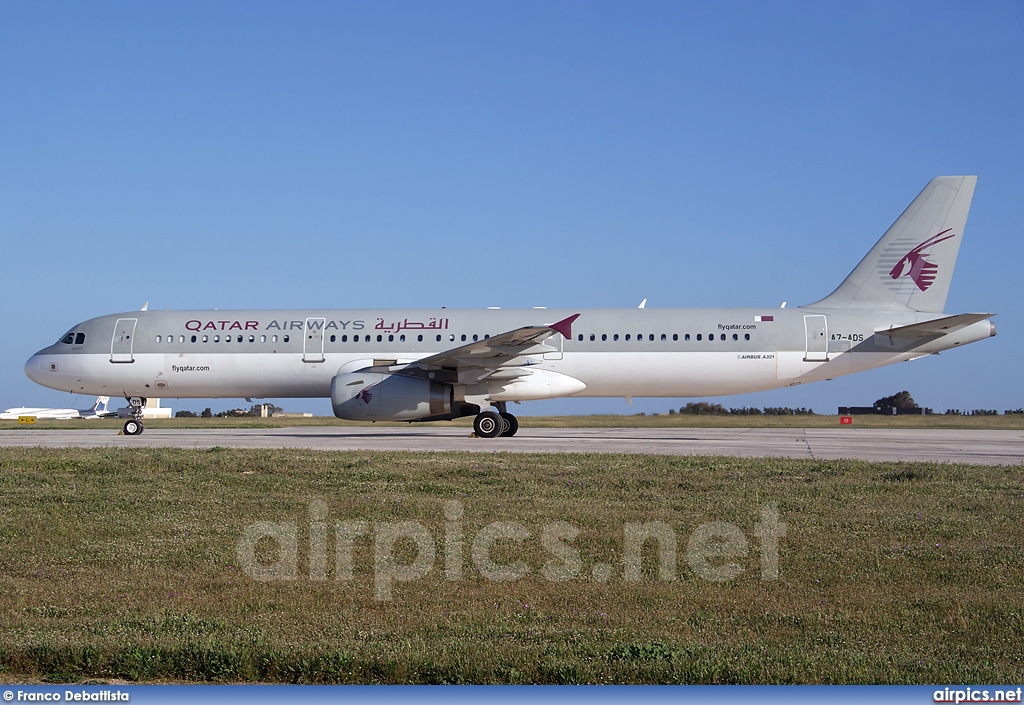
816 330
556 352
313 340
122 342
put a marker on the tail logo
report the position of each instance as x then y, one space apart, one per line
914 264
365 395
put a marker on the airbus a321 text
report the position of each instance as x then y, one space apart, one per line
426 365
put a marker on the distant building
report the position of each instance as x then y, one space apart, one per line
152 410
883 411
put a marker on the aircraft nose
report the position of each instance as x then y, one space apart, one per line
35 369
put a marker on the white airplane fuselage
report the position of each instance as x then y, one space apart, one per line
424 365
611 352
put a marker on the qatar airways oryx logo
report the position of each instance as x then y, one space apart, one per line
365 395
914 265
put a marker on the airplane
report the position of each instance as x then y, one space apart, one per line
99 410
428 365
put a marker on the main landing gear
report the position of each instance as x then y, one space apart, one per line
491 424
133 426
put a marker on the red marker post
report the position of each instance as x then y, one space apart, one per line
846 420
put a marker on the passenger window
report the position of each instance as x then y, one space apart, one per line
380 338
627 336
239 339
181 339
663 337
651 336
206 339
193 339
158 339
272 340
746 336
615 336
675 336
463 337
366 339
722 337
391 338
401 338
334 338
698 336
735 336
287 337
604 336
439 338
252 338
216 338
451 338
263 338
593 337
475 337
687 337
419 338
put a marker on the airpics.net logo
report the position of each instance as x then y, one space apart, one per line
915 263
407 551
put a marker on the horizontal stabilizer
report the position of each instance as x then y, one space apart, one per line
939 326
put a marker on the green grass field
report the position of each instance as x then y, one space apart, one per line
124 564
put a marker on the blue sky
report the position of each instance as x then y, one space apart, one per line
514 154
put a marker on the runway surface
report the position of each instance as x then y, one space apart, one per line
936 445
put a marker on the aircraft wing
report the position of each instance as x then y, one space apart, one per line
481 358
940 326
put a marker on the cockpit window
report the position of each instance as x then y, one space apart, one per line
73 338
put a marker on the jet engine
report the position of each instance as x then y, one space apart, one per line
379 396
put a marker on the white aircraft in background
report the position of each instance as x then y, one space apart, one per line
99 410
429 365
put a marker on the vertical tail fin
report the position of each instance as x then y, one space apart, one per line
911 266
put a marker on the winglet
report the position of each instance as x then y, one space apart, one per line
564 326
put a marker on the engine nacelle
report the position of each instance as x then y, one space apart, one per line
379 396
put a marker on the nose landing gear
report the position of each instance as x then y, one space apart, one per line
133 426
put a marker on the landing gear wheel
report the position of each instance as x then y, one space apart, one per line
133 427
488 424
511 425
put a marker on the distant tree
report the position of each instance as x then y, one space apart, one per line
903 400
207 414
184 414
703 408
231 414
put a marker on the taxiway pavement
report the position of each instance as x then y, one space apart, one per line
934 445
